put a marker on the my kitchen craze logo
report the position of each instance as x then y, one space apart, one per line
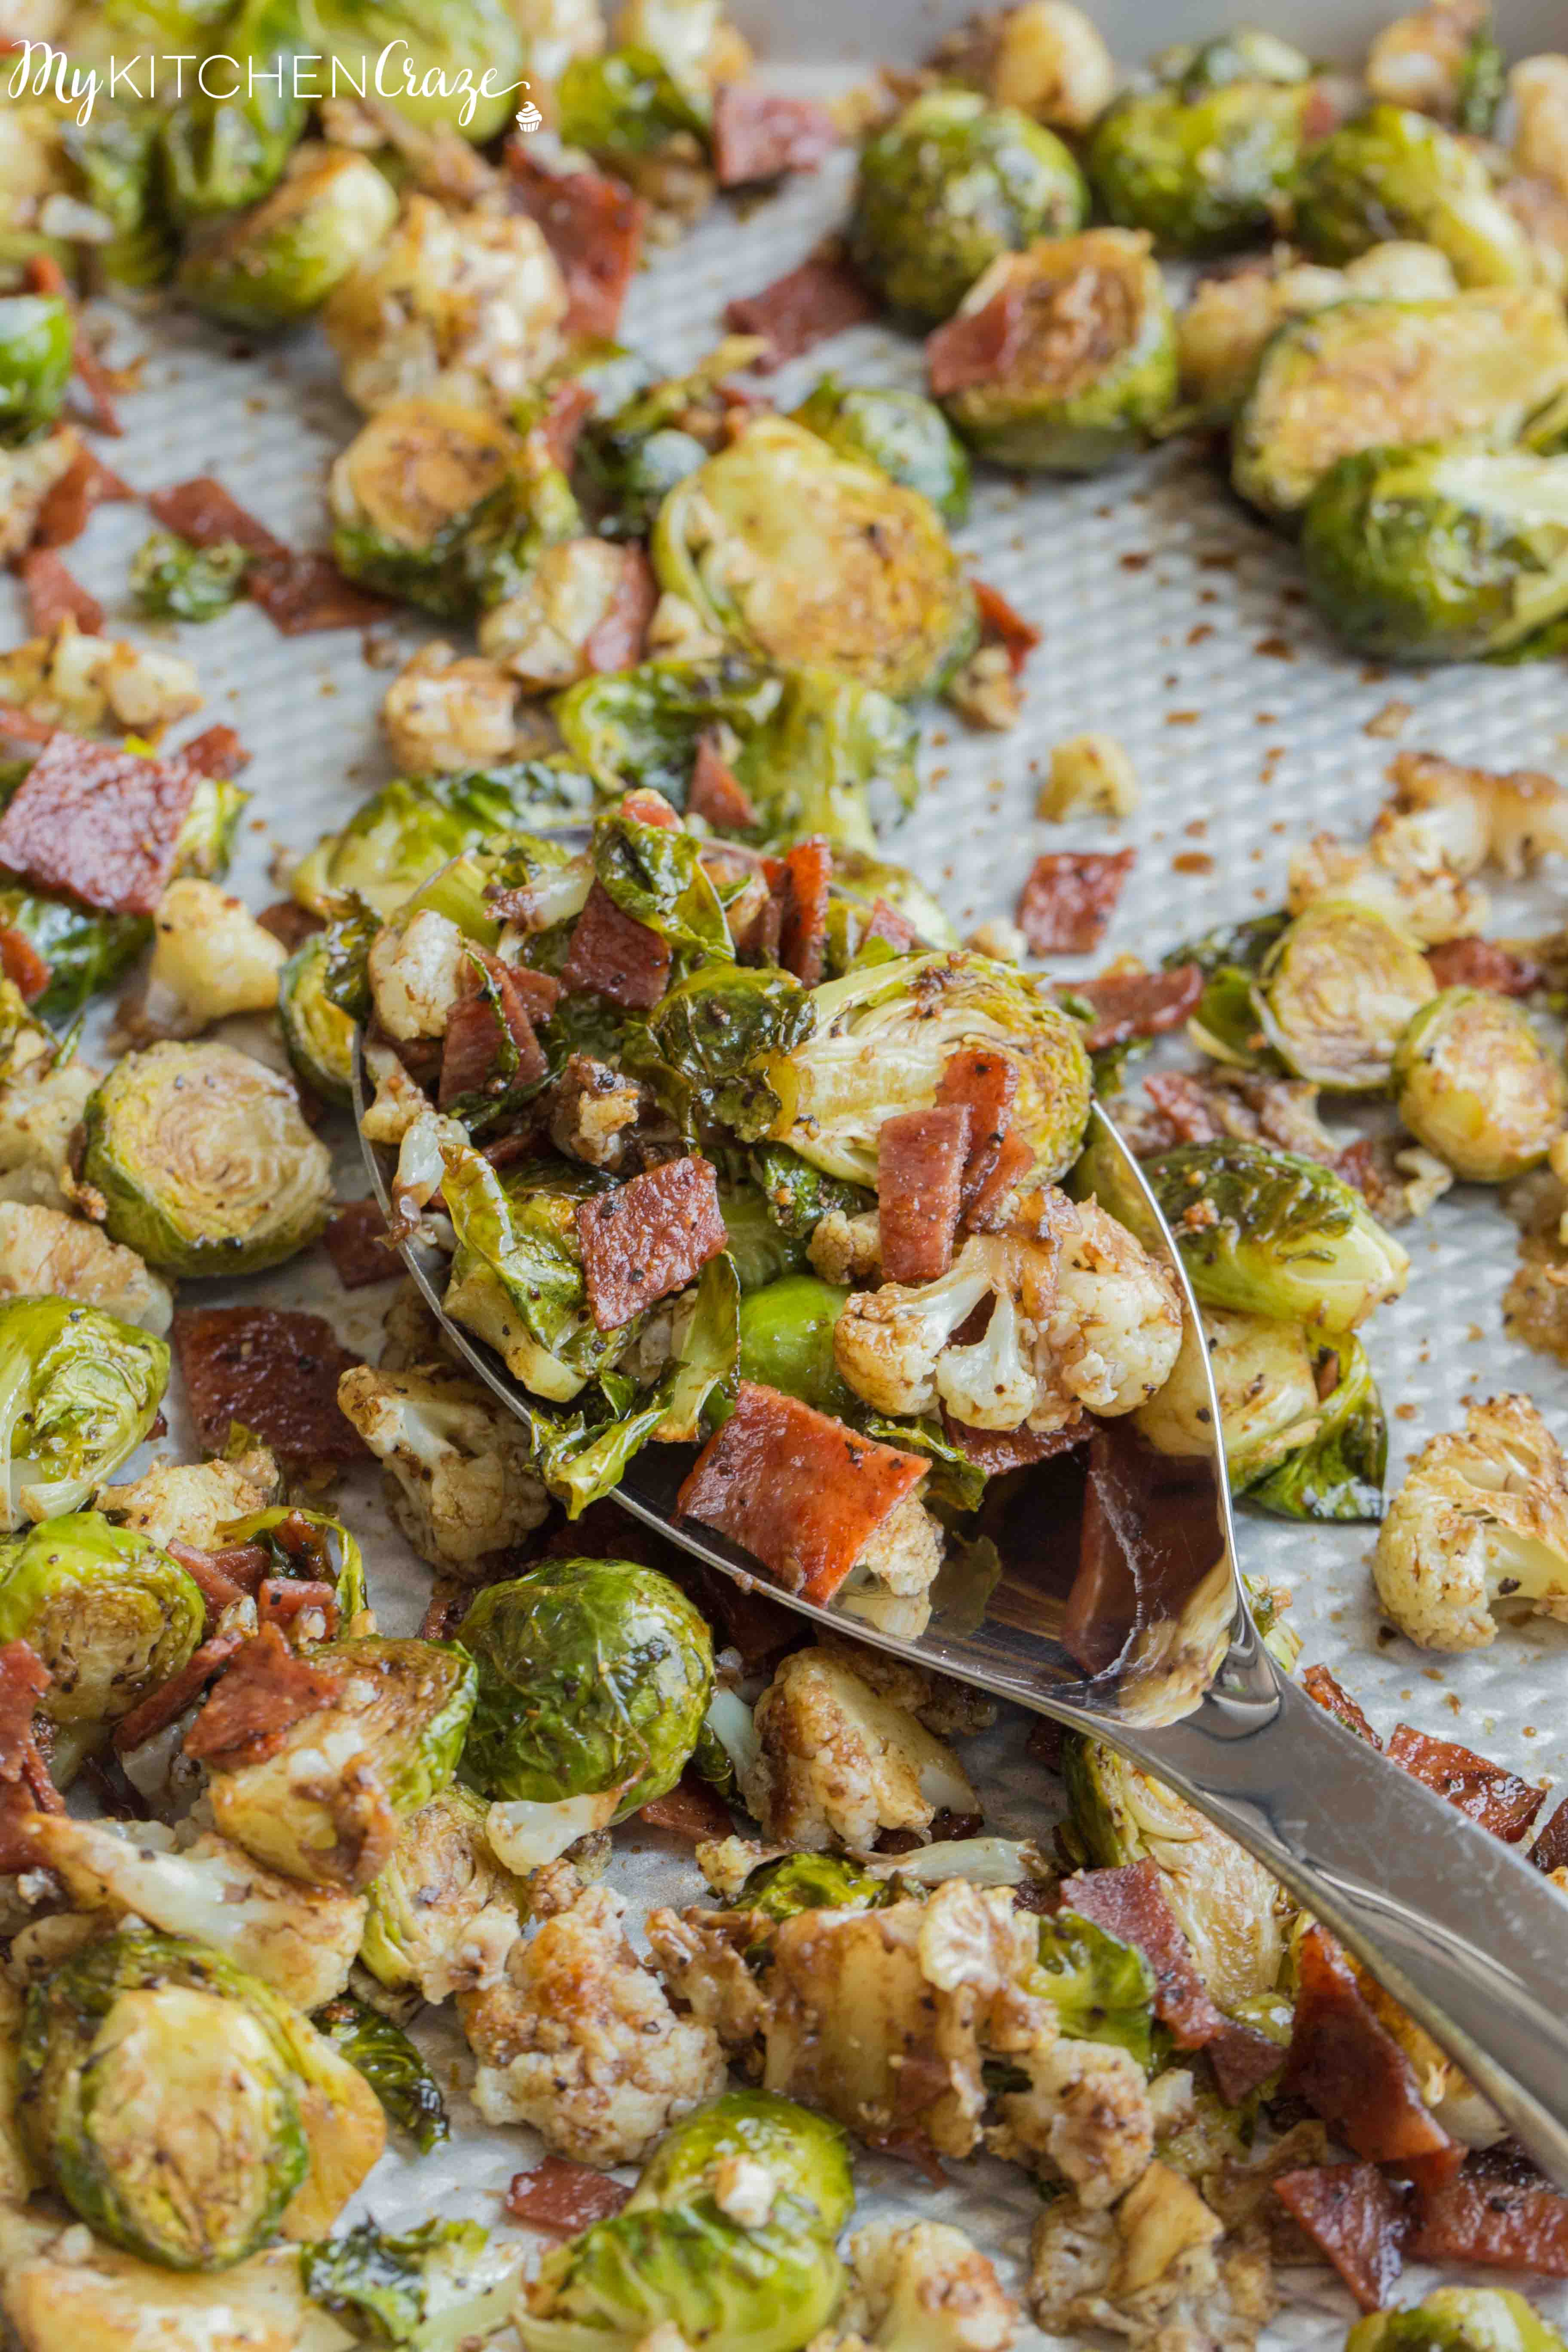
37 69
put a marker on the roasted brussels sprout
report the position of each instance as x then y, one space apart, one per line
220 152
1205 161
1336 992
626 102
319 1036
272 267
1267 1233
81 1391
1338 1473
1433 554
409 829
1457 2319
1102 1989
1263 1373
173 581
903 433
444 1907
1394 173
204 1161
945 188
798 555
304 1547
786 1341
813 1882
446 64
409 2093
1475 1083
109 1613
517 1279
438 2286
34 364
807 2155
1093 365
1443 60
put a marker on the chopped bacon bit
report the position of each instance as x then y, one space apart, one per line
1001 625
304 594
714 793
241 1566
976 346
985 1084
54 596
1491 1794
21 963
1183 1106
1497 2210
1550 1851
22 727
538 993
1243 2060
797 1489
1139 1005
804 307
1355 2217
276 1370
920 1159
1069 897
480 1025
357 1245
215 751
202 511
563 2197
1351 2070
69 503
758 134
997 1450
645 807
280 1599
210 1576
1319 1684
802 941
593 225
693 1809
649 1238
290 923
885 922
1131 1904
613 955
616 642
1482 963
98 822
263 1693
24 1679
571 406
446 1610
170 1700
1356 1165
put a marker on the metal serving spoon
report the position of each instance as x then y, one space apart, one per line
1146 1641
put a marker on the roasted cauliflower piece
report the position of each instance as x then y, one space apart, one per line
1482 1517
444 713
1085 2117
542 637
43 1250
97 685
1089 775
1152 2269
920 2287
188 1502
40 1109
27 477
950 1709
579 2040
1511 819
1538 90
211 958
838 1764
1402 875
416 975
1045 58
460 1483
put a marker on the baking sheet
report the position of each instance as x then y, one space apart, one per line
1170 617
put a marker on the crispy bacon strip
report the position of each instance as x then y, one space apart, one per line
1002 625
693 1809
593 225
714 793
1130 1903
759 133
1355 2217
1320 1684
563 2197
1497 2210
202 511
97 821
796 1488
1550 1851
976 346
1482 963
922 1156
1139 1005
69 503
1351 2070
808 305
480 1028
217 751
1069 897
266 1689
21 963
616 642
276 1370
1491 1794
24 1679
613 955
803 938
302 596
357 1245
160 1707
54 596
290 923
986 1085
649 1238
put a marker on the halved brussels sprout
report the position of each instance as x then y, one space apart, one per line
1093 367
946 187
901 433
305 1547
1457 2319
227 149
444 1904
318 1035
1264 1376
1396 174
1336 992
1206 161
813 1882
204 1161
1267 1233
1102 1989
1477 1084
1370 375
409 2093
410 828
34 364
111 1615
446 64
800 556
173 581
787 1342
79 1392
1338 1473
594 1678
274 266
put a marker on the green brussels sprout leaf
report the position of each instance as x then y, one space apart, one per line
389 2063
1102 1990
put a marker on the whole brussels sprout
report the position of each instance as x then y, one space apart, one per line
594 1677
1206 161
273 265
786 1341
109 1613
446 64
800 556
902 432
1457 2319
80 1391
1476 1084
410 828
173 581
626 102
1336 992
423 1925
318 1035
304 1547
1396 174
1094 368
224 151
34 364
806 2154
946 187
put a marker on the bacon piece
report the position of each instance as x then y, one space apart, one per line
54 596
1320 1684
290 923
799 1490
571 406
24 1679
1130 1903
1351 2070
563 2197
22 727
1491 1794
274 1370
210 1576
240 1567
1184 1106
646 806
280 1599
649 1238
885 922
69 503
802 937
304 594
818 300
593 225
920 1159
1069 897
997 1450
1243 2060
616 642
759 133
1139 1005
97 821
1550 1851
976 346
216 752
714 793
1002 625
21 963
1355 2217
613 955
480 1028
446 1610
1482 963
986 1085
170 1700
202 511
693 1809
357 1245
1497 2210
264 1692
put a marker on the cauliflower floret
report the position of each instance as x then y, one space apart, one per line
458 1480
1419 61
838 1764
1511 819
580 2041
442 714
211 958
188 1502
1048 60
951 1710
1410 882
1117 1327
445 1912
27 477
1089 775
1152 2269
557 31
1085 2117
593 1111
416 975
1403 271
843 1248
999 939
43 1251
1538 92
919 2286
40 1111
986 689
97 684
399 1099
542 635
458 306
1482 1517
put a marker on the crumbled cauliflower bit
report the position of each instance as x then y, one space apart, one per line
97 684
986 690
1403 271
920 2287
399 1101
1117 1326
43 1251
745 2189
1409 883
417 974
1153 2269
460 1483
40 1111
1426 1178
442 714
727 1863
211 958
1538 94
542 636
696 43
1514 818
593 1111
1482 1517
1052 62
904 1554
1089 775
952 1710
580 2041
838 1764
1419 61
843 1248
679 633
999 939
1085 2117
27 477
188 1502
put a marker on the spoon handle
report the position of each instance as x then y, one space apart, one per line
1460 1928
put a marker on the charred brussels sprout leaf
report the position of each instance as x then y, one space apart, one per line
630 454
799 1195
705 1031
1457 2319
305 1547
945 188
1204 165
389 2063
79 1392
173 581
224 152
441 2285
641 726
517 1276
902 432
626 102
1339 1472
1394 173
1102 1990
813 1882
319 1036
111 1615
85 950
1336 992
409 829
450 64
654 873
272 267
34 364
787 1342
1477 1084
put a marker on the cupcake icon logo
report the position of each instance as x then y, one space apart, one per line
528 117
